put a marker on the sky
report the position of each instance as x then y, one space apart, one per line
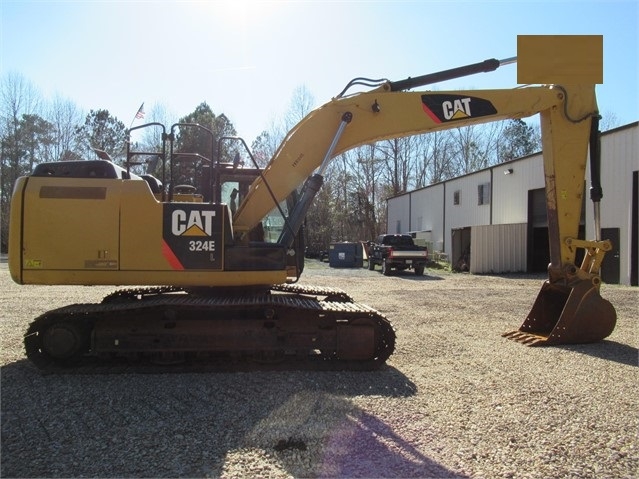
246 59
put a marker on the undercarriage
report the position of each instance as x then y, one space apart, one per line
173 329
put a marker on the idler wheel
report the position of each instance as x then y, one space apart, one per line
63 341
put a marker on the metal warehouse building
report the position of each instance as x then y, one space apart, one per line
494 220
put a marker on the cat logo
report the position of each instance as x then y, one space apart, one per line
442 108
457 109
192 223
193 235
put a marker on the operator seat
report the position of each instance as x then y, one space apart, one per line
184 190
154 184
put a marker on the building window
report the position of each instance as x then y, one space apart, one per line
398 227
457 197
483 194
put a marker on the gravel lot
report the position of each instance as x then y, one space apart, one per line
455 400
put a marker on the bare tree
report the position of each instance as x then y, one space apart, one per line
475 146
439 156
268 141
18 97
319 224
302 102
369 199
397 154
64 116
609 120
265 145
423 161
150 139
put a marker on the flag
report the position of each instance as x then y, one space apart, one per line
140 113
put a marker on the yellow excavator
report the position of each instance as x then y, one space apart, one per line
211 268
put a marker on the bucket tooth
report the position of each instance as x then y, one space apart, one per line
525 338
572 313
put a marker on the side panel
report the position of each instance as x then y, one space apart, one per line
169 236
140 230
71 224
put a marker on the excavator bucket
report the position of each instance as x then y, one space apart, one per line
566 314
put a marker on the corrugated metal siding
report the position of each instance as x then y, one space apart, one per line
498 248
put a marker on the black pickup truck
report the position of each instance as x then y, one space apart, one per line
399 252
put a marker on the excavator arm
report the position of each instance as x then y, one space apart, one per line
568 308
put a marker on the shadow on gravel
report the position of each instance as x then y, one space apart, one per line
608 350
386 381
305 423
413 277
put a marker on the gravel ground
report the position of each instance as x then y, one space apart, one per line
455 400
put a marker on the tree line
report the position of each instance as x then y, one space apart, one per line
350 207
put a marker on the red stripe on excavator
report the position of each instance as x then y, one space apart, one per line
170 257
431 114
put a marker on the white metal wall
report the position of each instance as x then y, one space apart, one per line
619 158
510 191
467 212
398 212
427 213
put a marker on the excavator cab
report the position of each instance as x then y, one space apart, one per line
214 172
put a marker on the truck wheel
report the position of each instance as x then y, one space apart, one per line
419 270
386 269
371 264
